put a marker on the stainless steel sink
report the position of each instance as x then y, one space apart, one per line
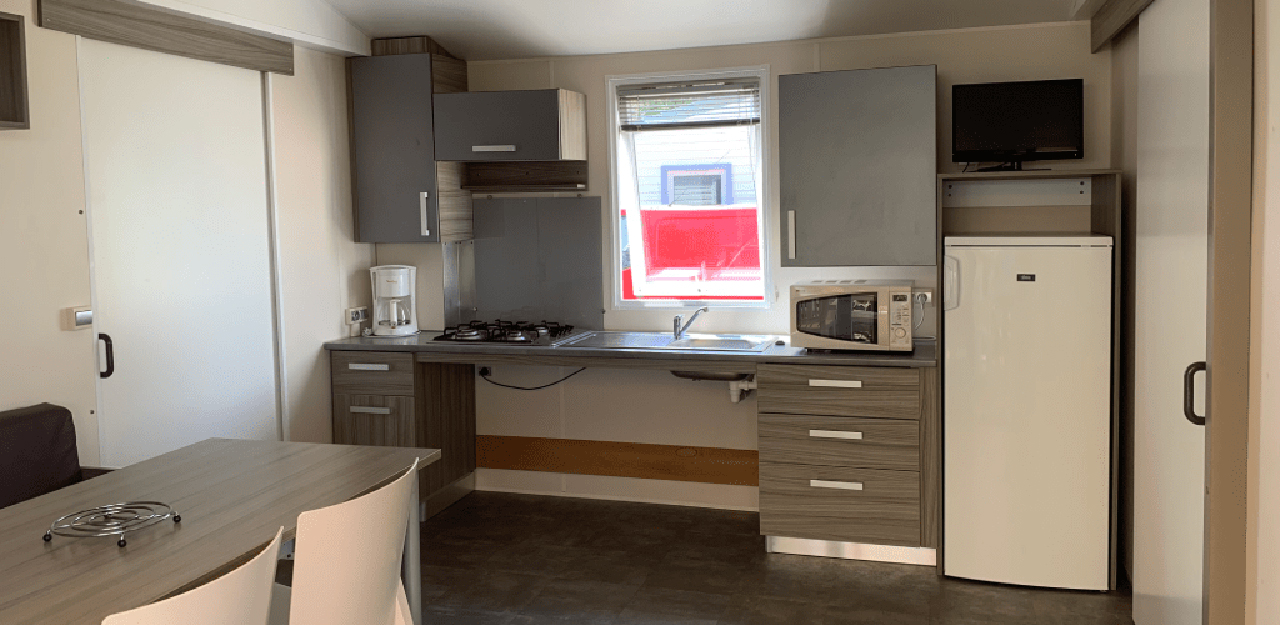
662 340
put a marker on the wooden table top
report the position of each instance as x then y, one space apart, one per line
233 495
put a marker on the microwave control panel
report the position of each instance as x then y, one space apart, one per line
900 320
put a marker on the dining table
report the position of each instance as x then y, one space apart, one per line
232 496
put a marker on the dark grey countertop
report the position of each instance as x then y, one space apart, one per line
924 355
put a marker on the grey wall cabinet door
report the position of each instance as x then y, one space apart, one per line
858 158
394 150
498 126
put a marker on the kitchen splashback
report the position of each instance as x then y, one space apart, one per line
539 258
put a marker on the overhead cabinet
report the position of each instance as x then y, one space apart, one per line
13 74
538 125
403 194
858 158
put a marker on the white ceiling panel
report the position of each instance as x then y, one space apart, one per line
506 29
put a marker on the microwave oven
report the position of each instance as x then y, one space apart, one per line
868 315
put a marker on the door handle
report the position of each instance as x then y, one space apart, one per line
493 148
849 436
111 356
370 410
791 235
837 383
422 212
836 485
950 283
1189 392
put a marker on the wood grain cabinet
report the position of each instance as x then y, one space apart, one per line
403 195
849 454
536 125
386 399
14 113
858 157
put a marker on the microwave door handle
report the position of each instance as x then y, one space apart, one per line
950 283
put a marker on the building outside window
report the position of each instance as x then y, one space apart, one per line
688 175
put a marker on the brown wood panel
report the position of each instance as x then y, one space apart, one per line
885 444
887 510
886 392
14 113
447 421
1015 219
1111 18
396 379
930 460
233 496
571 360
353 426
712 465
526 175
448 75
149 27
418 44
573 126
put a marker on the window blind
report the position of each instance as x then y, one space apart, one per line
701 104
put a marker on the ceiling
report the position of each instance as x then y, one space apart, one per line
510 29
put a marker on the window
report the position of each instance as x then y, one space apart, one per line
688 175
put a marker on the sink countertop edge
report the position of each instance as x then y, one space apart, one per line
924 355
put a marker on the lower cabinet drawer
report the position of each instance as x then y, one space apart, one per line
840 441
385 373
840 504
379 420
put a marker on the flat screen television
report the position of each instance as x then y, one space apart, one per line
1012 122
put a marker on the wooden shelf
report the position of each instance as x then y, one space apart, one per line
1029 174
14 112
525 176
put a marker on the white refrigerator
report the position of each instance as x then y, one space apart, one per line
1027 410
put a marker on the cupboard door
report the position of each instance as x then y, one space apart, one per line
379 420
394 149
858 158
499 126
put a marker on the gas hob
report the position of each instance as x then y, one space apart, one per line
506 332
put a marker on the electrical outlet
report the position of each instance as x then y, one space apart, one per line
923 296
358 314
485 372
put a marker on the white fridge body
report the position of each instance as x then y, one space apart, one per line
1027 421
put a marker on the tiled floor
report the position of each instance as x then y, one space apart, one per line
519 560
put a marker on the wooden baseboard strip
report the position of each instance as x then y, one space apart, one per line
711 465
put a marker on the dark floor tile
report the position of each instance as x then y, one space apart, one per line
846 615
462 616
613 567
578 601
1062 604
491 591
962 601
704 577
665 605
746 610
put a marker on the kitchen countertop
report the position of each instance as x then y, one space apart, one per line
428 350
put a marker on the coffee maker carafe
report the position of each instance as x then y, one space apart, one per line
394 304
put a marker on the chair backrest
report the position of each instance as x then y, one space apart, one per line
347 558
241 597
37 452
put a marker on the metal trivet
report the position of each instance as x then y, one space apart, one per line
115 519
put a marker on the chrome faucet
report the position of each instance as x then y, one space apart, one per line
679 329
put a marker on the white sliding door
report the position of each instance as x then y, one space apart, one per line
178 213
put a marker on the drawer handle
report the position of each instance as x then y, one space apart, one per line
850 436
837 383
839 485
493 148
370 410
356 366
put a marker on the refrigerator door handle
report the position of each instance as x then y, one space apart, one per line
1189 392
950 283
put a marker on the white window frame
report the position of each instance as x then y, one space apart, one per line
612 83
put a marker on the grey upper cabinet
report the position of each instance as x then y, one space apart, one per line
538 125
394 149
858 159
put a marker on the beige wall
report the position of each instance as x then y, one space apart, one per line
44 253
598 404
323 272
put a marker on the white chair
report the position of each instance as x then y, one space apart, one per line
346 562
241 597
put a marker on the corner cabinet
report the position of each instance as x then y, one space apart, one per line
402 194
858 160
537 125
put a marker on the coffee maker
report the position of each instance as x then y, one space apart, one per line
395 308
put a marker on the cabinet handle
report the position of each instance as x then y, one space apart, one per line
493 148
849 436
1188 392
791 235
839 485
355 366
370 410
837 383
422 210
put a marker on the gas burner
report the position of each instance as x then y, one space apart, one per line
503 331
